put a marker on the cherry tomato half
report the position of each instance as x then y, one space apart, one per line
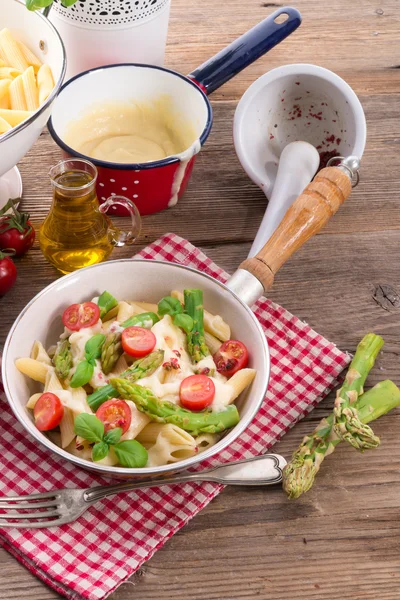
137 341
231 357
77 316
197 392
48 412
115 413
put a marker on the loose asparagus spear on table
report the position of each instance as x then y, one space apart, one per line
300 472
197 346
144 367
62 359
162 411
347 424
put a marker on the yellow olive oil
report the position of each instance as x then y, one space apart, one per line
75 233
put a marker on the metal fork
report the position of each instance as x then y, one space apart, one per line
64 506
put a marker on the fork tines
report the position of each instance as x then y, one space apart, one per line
47 502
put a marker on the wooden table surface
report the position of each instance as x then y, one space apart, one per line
340 540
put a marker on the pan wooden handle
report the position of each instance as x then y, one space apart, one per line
307 215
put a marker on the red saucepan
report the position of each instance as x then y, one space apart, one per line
157 185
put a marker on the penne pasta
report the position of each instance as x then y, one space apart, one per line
32 400
172 444
212 342
67 428
14 117
214 324
4 126
52 383
4 88
147 307
17 94
240 380
206 440
175 434
39 353
11 51
138 422
30 89
34 369
9 73
45 83
25 83
30 57
125 311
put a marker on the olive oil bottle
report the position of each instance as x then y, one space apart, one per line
76 233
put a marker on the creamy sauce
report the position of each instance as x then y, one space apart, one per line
172 340
131 132
76 404
185 158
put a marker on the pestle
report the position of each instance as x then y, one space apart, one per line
298 164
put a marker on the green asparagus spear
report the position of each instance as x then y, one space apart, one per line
347 424
110 352
146 320
62 359
106 302
162 411
197 346
299 474
143 367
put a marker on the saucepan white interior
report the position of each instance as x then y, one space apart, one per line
140 280
143 84
291 103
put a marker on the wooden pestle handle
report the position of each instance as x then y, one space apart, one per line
307 215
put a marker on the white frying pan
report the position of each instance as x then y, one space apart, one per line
151 280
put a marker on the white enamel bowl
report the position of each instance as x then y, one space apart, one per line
36 32
129 279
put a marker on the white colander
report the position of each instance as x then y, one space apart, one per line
104 32
109 13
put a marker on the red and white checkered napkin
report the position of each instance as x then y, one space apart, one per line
91 557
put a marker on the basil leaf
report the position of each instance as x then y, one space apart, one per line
100 451
38 4
146 320
89 427
106 302
67 3
83 374
113 436
169 306
94 345
184 321
131 454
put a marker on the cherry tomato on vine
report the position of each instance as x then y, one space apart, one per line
16 231
8 273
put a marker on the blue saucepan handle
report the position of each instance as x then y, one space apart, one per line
246 49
